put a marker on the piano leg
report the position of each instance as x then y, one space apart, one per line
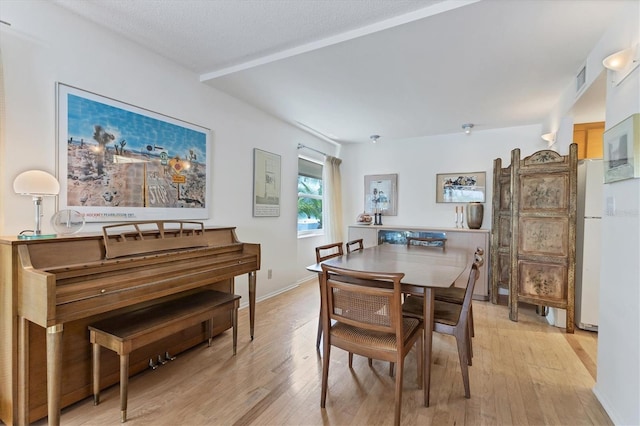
252 301
23 372
54 373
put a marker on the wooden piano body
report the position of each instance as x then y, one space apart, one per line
52 289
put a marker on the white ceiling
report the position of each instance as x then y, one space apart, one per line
348 69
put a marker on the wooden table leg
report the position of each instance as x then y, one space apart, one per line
54 373
252 301
428 334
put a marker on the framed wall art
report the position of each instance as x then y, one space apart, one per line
460 187
119 162
622 150
266 183
381 195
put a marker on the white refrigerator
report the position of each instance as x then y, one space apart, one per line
590 209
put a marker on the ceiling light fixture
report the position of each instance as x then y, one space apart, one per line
374 138
467 128
622 63
37 184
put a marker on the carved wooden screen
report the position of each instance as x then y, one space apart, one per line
500 229
543 229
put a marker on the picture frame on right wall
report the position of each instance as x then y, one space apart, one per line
622 150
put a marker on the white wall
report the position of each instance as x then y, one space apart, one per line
618 364
417 161
618 384
46 44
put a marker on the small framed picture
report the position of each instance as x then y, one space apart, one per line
460 187
622 150
266 184
381 194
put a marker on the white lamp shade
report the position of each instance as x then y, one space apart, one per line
36 182
619 60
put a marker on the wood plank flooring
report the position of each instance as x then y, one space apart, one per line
524 373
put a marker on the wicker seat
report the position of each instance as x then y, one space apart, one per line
362 314
326 252
452 319
354 245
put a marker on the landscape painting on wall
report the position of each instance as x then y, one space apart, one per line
118 162
460 187
622 150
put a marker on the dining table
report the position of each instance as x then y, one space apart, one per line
424 268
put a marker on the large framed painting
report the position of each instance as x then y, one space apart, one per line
622 150
460 187
119 162
381 194
266 183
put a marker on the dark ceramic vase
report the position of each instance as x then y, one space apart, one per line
475 213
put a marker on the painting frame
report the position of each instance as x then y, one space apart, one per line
387 185
621 150
461 187
119 162
267 183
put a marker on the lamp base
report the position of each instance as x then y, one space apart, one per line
22 236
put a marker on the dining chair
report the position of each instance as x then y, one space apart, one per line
326 252
354 245
362 314
452 319
455 294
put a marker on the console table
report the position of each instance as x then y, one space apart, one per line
463 238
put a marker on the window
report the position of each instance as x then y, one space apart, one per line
310 190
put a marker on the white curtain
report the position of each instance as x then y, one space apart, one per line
333 199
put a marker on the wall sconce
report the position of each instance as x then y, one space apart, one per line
467 128
374 138
37 184
622 63
549 137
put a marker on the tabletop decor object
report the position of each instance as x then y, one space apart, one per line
475 214
37 184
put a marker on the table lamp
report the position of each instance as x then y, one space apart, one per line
37 184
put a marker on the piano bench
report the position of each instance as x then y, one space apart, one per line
132 330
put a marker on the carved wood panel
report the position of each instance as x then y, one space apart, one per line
500 229
542 224
536 236
542 280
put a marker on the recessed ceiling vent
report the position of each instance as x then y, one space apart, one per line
581 78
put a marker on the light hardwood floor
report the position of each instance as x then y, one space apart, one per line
524 373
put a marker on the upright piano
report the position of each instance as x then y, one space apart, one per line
51 289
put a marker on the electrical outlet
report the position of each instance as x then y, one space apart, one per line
269 274
611 206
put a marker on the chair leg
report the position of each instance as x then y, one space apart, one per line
398 405
467 334
471 327
391 369
461 340
420 361
325 373
351 360
319 330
